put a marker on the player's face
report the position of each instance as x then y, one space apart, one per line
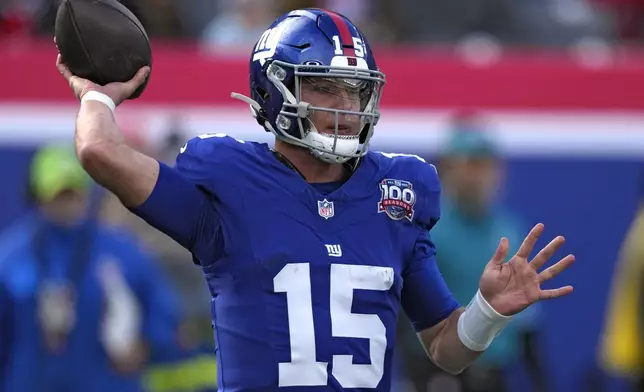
67 208
337 94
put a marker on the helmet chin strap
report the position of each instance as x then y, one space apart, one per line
256 110
255 107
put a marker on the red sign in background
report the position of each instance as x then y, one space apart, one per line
417 77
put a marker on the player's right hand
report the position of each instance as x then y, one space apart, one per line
118 92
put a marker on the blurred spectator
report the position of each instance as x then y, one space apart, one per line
195 366
628 17
176 260
40 16
471 174
195 15
83 307
239 24
448 21
20 17
522 22
159 17
363 13
622 350
288 5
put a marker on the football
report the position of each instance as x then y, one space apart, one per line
102 41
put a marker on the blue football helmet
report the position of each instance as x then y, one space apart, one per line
323 52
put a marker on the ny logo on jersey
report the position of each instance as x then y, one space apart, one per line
334 250
325 209
397 199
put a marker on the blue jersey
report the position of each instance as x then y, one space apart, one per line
306 282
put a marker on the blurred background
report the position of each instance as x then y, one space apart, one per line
532 110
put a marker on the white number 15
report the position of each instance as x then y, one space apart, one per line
358 46
304 370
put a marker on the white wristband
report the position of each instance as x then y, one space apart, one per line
480 324
100 97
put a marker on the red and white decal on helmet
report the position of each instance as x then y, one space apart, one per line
345 43
349 62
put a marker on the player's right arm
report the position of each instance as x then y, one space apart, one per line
102 151
163 197
100 144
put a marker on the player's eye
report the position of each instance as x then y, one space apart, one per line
355 90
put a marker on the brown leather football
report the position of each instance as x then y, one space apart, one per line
101 40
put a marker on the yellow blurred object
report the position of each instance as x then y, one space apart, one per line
55 168
194 374
622 346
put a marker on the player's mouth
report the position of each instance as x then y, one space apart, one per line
343 130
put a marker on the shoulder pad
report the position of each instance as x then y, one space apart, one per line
206 158
210 146
424 182
210 140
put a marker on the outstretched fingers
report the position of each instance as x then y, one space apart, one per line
501 252
546 253
530 240
550 273
556 269
555 293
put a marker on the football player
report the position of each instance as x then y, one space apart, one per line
311 247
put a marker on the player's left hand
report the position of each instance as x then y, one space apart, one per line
509 287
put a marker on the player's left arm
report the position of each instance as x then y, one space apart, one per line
454 337
433 311
505 289
426 299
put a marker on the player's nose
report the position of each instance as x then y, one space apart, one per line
346 101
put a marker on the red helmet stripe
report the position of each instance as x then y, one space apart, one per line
346 39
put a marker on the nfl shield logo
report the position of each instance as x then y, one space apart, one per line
325 209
